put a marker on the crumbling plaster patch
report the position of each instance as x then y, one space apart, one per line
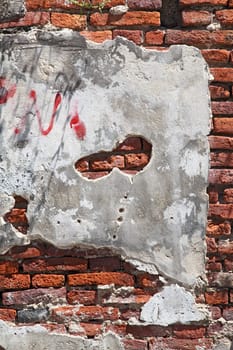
11 10
113 90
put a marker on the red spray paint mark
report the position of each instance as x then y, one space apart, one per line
78 126
43 131
6 91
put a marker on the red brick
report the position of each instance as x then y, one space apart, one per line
211 245
110 263
7 315
223 125
82 165
195 18
154 37
213 196
221 159
214 266
221 279
226 248
219 92
109 163
133 344
85 297
102 278
221 142
222 74
98 37
16 216
84 313
136 160
221 176
30 19
189 332
95 175
225 107
8 267
203 2
228 195
34 296
54 328
216 56
55 264
180 344
200 38
14 282
144 4
65 20
225 17
222 211
216 312
91 329
117 328
133 18
139 331
231 296
48 281
47 4
134 35
131 143
216 297
228 313
25 252
127 314
228 265
146 280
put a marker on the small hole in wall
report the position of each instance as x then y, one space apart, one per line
130 156
114 237
17 216
58 222
121 210
79 221
120 219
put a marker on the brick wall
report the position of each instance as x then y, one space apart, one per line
44 275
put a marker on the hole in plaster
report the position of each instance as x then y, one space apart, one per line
17 216
130 156
79 221
121 210
120 219
58 222
114 237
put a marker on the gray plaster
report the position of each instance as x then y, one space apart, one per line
11 10
173 305
118 90
37 338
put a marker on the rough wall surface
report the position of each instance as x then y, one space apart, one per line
208 26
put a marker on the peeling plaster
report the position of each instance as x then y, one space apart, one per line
113 90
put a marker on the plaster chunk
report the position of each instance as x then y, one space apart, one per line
63 99
11 10
173 305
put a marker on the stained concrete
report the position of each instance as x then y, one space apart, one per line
11 10
118 90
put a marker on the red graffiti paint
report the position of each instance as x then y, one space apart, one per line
78 126
45 132
6 90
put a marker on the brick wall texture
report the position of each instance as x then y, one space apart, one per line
48 277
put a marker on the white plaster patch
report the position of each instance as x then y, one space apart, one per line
173 305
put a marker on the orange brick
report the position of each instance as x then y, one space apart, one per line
55 264
221 176
98 37
211 245
221 142
223 108
226 248
86 297
189 332
30 19
109 163
222 74
228 195
222 211
216 56
195 18
225 17
217 230
117 278
135 160
7 315
154 37
133 35
65 20
8 267
223 126
221 159
82 165
48 280
24 252
14 282
216 297
128 19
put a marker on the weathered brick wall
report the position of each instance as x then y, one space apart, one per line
27 273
